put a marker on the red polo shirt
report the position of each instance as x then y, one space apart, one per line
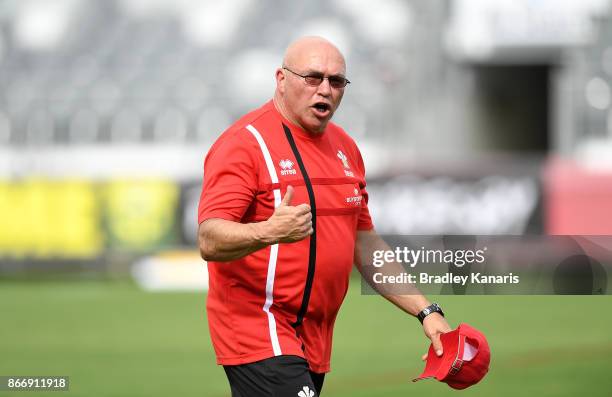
253 302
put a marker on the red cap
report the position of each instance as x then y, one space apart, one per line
465 360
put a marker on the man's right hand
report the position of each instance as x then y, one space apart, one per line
289 224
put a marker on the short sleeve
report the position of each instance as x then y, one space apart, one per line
230 179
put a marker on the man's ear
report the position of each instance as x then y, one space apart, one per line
280 80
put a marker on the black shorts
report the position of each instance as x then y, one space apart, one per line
281 376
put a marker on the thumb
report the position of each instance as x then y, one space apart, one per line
288 196
437 344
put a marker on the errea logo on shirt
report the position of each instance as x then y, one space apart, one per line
345 163
287 167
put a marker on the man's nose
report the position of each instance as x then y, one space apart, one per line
324 88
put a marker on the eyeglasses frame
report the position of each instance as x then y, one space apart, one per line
347 82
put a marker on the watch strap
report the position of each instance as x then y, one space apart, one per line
433 308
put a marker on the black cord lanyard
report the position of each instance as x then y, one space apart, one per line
312 254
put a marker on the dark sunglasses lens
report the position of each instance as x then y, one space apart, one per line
337 82
313 80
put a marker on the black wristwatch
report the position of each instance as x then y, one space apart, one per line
433 308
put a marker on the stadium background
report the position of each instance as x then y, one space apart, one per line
474 117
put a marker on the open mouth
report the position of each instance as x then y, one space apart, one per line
321 108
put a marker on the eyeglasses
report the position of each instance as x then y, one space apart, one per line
315 79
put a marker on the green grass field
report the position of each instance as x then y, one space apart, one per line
114 340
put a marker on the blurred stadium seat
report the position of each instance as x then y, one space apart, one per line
120 57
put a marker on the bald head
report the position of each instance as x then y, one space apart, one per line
303 48
302 101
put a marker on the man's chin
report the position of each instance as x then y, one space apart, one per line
317 129
317 125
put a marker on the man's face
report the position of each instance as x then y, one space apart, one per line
311 106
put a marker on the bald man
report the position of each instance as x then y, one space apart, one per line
283 217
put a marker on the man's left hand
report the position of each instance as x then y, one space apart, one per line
434 325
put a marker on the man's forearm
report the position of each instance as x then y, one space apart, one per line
411 304
407 298
222 240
